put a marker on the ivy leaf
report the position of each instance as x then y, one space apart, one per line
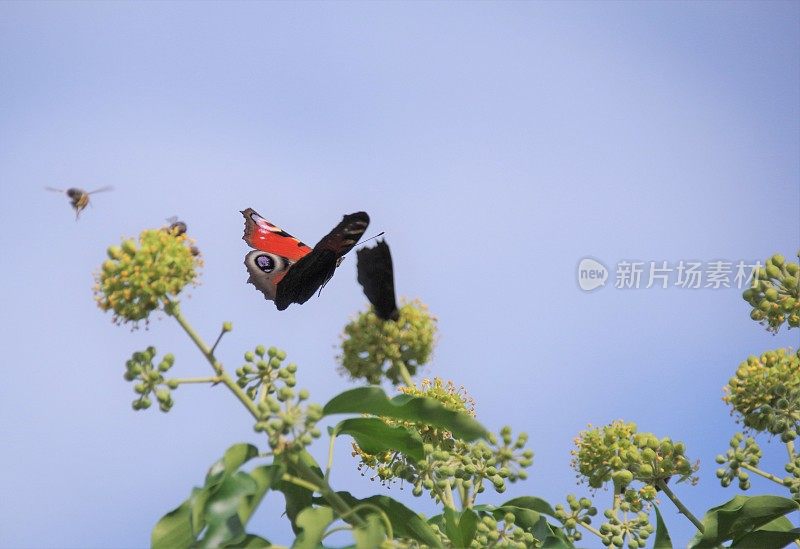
460 527
740 516
374 436
312 521
372 400
663 541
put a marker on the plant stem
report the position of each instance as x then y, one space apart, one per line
448 493
591 529
182 381
219 337
790 449
299 482
681 507
759 472
174 310
404 373
321 485
329 465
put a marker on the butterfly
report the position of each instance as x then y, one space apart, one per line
287 271
79 198
376 276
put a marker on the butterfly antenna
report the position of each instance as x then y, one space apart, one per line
373 237
53 189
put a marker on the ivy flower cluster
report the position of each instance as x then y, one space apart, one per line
775 294
449 463
289 424
374 349
619 453
742 451
765 393
580 512
139 277
150 379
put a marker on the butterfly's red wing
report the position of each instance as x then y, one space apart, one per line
263 235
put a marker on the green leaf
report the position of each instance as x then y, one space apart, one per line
370 535
405 522
524 518
533 503
266 478
460 527
235 456
740 516
312 523
374 436
372 400
222 511
778 533
663 540
174 529
556 539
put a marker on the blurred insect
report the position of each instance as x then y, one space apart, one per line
177 228
79 198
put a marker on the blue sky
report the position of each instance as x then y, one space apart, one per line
497 144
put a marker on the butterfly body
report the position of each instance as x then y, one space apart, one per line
287 271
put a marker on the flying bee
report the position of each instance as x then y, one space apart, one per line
78 198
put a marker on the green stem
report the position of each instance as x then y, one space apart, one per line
299 482
681 507
759 472
404 373
329 465
790 449
333 530
386 522
321 485
185 380
448 493
174 310
591 529
219 337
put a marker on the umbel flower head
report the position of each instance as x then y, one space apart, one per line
765 392
448 461
138 278
619 453
373 348
775 294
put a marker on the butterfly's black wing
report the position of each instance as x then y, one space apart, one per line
376 276
314 270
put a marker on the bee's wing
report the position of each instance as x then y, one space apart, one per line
101 190
53 189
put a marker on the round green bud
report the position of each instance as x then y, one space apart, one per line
227 326
260 350
249 357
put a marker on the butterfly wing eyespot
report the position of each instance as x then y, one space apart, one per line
266 271
376 276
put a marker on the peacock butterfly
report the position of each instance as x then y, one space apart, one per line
376 276
287 271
